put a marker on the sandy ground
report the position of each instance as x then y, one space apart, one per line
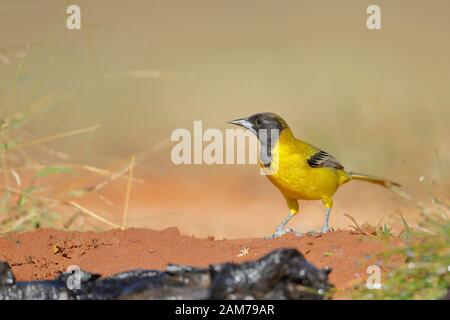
43 254
200 225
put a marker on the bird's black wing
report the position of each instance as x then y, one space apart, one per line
322 159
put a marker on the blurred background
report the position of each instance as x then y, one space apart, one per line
379 101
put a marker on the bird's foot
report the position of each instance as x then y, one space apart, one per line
280 232
314 233
325 229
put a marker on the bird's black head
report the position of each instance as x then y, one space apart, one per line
267 127
261 121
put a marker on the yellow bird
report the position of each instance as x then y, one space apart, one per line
298 169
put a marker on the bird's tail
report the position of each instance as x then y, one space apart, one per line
380 181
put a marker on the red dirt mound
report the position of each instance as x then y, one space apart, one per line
43 254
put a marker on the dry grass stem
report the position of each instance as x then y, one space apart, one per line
55 137
93 214
357 227
128 192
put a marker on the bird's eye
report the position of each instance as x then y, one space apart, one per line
259 121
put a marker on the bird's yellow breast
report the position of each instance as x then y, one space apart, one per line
290 172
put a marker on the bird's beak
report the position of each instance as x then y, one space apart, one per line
242 123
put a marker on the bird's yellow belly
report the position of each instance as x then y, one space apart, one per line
296 179
306 185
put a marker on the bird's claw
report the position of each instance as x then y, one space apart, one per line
324 230
280 232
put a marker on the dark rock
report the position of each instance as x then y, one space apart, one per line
282 274
6 275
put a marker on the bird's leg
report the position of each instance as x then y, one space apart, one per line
293 209
279 231
325 225
328 202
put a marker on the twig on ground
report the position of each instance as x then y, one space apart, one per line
356 226
243 252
